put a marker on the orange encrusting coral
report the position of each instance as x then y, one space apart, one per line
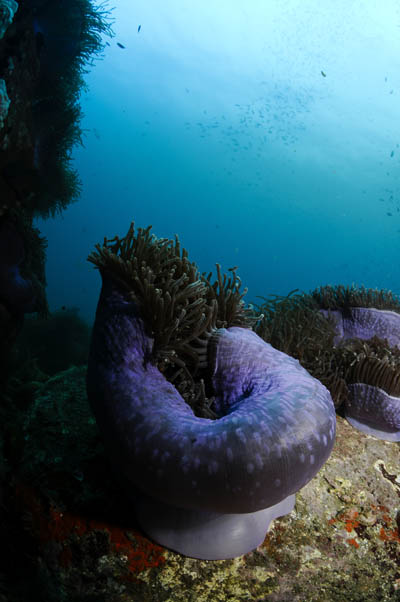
57 526
389 535
349 520
352 542
351 524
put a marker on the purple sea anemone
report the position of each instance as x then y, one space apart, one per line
207 488
373 376
370 407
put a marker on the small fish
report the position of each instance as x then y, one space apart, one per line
389 214
323 73
139 28
107 43
392 153
120 45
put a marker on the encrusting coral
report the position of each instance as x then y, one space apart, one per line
206 488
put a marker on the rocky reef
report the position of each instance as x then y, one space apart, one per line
66 524
75 537
45 47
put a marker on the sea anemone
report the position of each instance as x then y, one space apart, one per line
348 338
207 487
373 369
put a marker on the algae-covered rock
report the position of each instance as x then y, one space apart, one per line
341 542
62 457
4 102
8 8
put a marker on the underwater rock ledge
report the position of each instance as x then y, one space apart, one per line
341 542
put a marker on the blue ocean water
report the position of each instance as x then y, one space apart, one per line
265 134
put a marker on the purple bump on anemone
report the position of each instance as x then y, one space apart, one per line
365 323
369 408
205 488
16 292
373 411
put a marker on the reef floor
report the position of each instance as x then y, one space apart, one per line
72 535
